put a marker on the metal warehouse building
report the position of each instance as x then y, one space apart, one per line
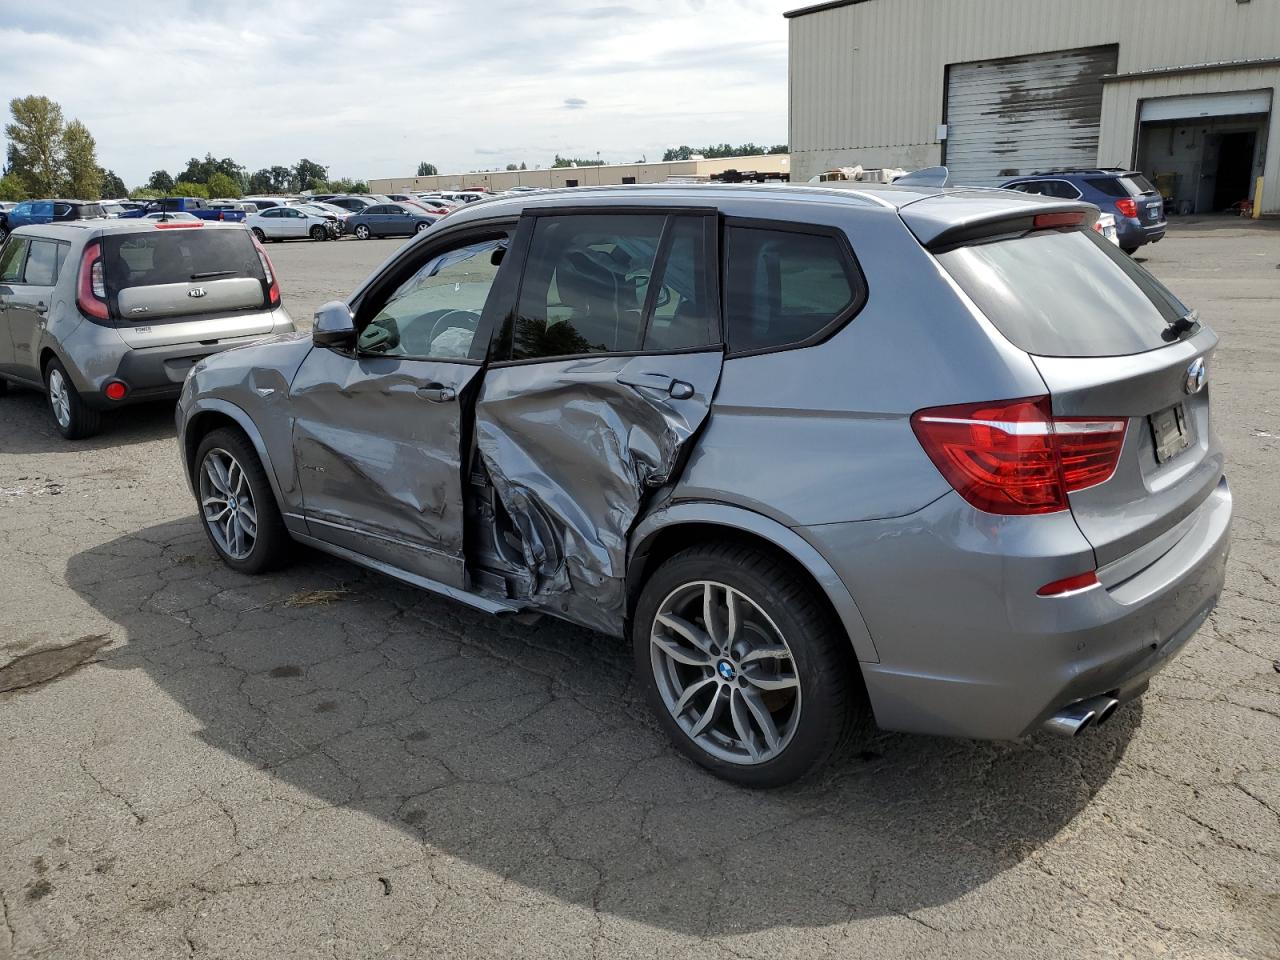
1181 89
774 164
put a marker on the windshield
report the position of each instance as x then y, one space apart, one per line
1066 294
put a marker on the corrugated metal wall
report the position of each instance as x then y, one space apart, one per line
867 80
1017 115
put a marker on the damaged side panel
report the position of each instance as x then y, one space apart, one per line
379 462
574 450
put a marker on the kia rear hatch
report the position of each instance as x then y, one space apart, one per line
171 285
1121 356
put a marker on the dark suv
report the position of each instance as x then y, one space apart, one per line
49 211
1137 205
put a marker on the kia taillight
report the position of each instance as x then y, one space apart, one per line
1128 207
91 286
1014 456
273 285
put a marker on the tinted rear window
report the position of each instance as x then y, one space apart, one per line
1066 294
783 288
1133 185
178 256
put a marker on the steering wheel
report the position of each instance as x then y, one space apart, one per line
469 322
636 277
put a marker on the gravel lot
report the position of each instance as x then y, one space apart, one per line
323 763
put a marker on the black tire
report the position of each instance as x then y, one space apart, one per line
81 420
362 232
832 699
4 386
262 237
271 546
319 233
1130 250
421 225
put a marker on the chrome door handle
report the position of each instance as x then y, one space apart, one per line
42 309
676 389
437 393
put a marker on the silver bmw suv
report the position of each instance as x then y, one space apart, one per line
100 314
941 457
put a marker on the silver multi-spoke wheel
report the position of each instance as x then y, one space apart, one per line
60 398
226 501
725 672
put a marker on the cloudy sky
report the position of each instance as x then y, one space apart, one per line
372 88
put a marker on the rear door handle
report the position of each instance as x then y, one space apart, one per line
676 389
437 393
42 308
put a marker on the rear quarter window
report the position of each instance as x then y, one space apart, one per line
785 288
1066 294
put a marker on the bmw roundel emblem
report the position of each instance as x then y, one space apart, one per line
725 669
1196 376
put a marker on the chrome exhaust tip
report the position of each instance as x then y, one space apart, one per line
1069 721
1072 719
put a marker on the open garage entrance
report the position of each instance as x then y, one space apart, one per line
1204 152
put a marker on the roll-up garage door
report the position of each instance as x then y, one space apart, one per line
1010 117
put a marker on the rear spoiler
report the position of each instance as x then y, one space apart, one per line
944 221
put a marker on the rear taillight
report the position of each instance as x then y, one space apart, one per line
1128 207
91 286
1014 456
273 285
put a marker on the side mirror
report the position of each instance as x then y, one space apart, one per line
334 326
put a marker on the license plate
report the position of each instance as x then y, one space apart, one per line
1169 431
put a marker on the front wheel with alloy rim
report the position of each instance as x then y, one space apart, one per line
74 418
422 225
319 233
362 232
237 507
746 668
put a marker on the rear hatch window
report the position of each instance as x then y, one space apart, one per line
1130 185
1066 294
178 272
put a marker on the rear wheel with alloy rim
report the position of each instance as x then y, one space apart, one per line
362 232
257 232
75 419
422 225
237 507
749 672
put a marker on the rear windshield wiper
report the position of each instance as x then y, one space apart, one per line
1180 326
210 274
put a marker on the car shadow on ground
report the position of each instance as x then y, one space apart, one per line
35 432
525 749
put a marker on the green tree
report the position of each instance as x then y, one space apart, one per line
200 171
260 181
112 186
575 162
779 148
35 144
11 188
185 188
145 193
81 175
282 180
160 181
310 175
221 185
427 169
522 166
513 166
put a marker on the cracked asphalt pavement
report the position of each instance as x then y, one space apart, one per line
323 763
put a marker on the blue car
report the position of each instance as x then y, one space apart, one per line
1136 204
48 211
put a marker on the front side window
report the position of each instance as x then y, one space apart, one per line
435 313
42 264
601 283
784 288
12 256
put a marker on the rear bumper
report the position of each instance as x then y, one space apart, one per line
967 648
1134 233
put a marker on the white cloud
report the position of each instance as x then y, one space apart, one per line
371 91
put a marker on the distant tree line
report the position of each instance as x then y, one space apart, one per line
720 150
212 177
